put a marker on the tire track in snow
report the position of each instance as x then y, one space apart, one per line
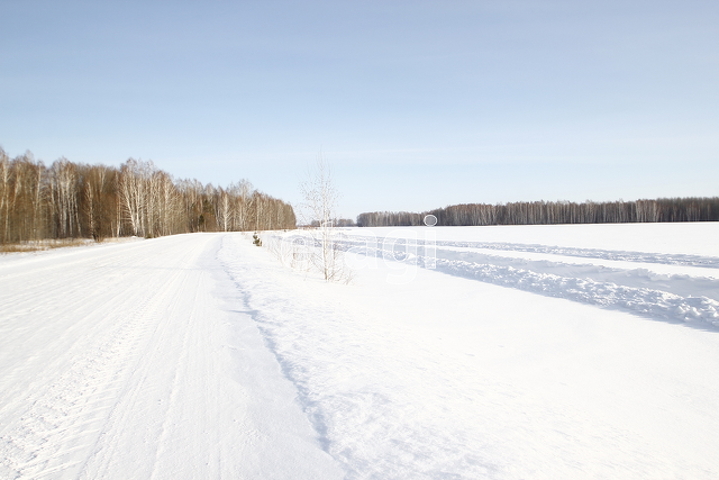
614 255
150 365
66 415
700 311
682 281
644 301
175 397
134 362
690 260
34 438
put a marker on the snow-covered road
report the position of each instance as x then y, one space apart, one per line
581 352
136 361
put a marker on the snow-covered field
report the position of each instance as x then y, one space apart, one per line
539 352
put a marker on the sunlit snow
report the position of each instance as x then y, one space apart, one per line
552 352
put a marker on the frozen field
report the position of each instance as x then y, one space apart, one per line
542 352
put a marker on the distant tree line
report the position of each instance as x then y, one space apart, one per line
335 222
344 222
547 213
70 200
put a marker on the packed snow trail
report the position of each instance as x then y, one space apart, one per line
139 361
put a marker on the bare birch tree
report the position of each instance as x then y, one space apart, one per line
320 201
71 200
4 196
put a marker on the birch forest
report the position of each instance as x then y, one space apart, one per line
71 200
546 213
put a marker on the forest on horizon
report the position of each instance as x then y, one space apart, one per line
73 200
550 213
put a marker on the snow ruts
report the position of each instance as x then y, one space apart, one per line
436 376
624 256
698 310
652 303
138 361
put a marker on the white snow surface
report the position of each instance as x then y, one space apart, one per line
140 361
537 352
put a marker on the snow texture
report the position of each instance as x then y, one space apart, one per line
140 361
455 353
640 290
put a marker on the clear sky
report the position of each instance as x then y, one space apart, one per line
415 104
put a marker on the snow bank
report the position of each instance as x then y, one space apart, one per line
426 373
652 299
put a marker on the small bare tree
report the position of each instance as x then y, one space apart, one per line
320 199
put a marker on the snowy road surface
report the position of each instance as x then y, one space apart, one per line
135 361
528 353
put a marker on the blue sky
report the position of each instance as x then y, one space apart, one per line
415 104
